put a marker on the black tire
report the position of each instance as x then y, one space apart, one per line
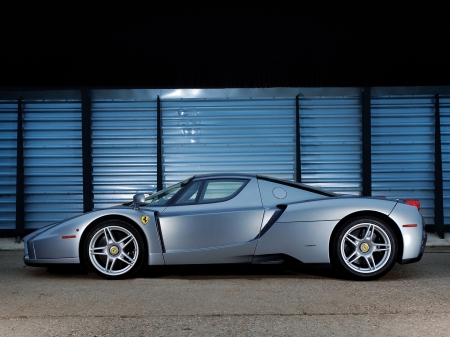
114 250
364 248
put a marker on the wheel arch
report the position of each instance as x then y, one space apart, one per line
391 223
106 218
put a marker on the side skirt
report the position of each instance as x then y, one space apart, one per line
272 259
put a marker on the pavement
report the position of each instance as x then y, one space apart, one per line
412 300
433 241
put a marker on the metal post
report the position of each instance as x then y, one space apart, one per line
438 180
20 177
366 143
159 176
298 161
88 195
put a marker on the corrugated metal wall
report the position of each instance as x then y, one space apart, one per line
217 131
8 163
123 150
445 145
331 143
228 135
52 161
403 149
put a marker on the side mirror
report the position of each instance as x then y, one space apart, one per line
138 199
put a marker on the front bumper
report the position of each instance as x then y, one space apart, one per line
49 262
31 258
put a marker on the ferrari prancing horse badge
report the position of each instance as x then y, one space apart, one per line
144 219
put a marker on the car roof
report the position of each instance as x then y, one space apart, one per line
224 175
274 180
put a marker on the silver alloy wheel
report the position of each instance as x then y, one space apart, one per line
113 250
366 248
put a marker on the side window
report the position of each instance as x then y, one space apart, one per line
213 190
221 189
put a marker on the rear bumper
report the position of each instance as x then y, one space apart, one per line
422 249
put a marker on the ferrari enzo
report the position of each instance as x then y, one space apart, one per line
236 218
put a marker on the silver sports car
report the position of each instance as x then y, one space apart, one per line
236 218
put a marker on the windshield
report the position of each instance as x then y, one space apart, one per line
163 197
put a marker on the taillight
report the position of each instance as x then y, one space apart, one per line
413 202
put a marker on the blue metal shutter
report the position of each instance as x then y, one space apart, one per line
8 163
445 143
403 149
228 135
123 150
52 161
331 143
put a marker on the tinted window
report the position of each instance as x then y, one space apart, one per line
213 190
221 190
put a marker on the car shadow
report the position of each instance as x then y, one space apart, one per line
244 271
67 270
197 272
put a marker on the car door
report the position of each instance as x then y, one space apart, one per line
213 221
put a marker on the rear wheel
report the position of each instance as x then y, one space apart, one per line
365 248
114 249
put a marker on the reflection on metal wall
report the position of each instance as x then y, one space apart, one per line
228 135
8 163
331 143
403 149
52 161
123 150
216 130
445 143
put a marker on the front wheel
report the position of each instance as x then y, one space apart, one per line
114 249
365 248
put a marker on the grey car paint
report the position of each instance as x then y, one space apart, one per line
305 241
304 230
335 208
265 218
273 194
44 244
411 236
220 232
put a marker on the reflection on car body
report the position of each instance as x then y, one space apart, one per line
236 218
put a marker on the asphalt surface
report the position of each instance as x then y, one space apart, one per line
412 300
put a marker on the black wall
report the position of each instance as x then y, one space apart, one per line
224 44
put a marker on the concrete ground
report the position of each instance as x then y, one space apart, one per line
411 300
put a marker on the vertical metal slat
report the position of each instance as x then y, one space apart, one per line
228 135
444 109
9 168
124 149
52 161
403 149
331 146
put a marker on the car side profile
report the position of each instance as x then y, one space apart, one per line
236 218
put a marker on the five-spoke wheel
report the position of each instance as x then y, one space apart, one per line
114 249
365 248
